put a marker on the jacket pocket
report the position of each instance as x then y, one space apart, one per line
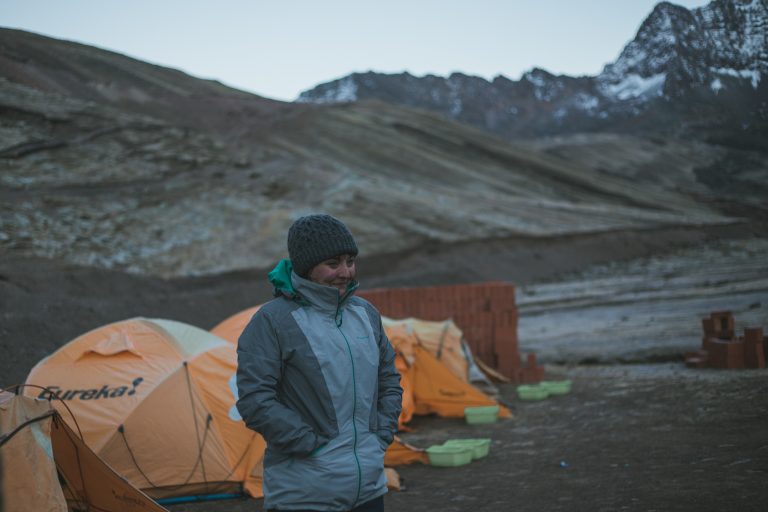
384 444
317 451
371 456
329 476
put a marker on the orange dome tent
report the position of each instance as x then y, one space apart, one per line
155 399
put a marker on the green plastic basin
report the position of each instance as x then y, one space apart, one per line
481 415
534 392
449 456
556 387
479 447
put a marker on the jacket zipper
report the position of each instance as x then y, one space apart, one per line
354 403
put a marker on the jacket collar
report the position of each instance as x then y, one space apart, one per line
324 298
306 292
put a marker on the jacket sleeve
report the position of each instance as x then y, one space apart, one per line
259 366
390 400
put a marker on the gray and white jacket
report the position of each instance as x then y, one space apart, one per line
316 378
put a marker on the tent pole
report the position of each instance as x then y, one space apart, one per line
199 497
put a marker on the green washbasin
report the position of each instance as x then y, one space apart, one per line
481 415
479 447
532 392
449 456
556 387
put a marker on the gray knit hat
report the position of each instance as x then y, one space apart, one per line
315 238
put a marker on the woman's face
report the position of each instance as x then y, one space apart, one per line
337 272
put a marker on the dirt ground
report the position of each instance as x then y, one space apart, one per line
647 437
656 437
628 437
643 436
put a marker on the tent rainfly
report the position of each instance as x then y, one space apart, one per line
44 465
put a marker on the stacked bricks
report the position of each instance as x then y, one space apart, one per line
721 348
485 312
754 347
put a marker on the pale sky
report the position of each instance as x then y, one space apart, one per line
278 49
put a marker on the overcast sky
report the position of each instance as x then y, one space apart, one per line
280 48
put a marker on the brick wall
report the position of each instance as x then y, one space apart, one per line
485 312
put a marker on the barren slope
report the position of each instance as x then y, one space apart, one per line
175 176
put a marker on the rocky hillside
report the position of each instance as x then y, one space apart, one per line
112 162
688 72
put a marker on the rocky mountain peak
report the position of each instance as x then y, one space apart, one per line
665 33
669 44
537 75
725 34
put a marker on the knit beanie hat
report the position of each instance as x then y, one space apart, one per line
315 238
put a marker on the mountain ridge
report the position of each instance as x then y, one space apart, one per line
704 64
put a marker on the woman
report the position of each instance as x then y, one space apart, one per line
316 377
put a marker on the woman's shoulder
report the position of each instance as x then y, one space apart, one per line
369 308
359 301
277 308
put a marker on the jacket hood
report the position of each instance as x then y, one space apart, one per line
280 277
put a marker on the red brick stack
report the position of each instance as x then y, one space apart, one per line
485 312
721 348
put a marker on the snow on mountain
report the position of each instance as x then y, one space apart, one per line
545 88
636 86
343 91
